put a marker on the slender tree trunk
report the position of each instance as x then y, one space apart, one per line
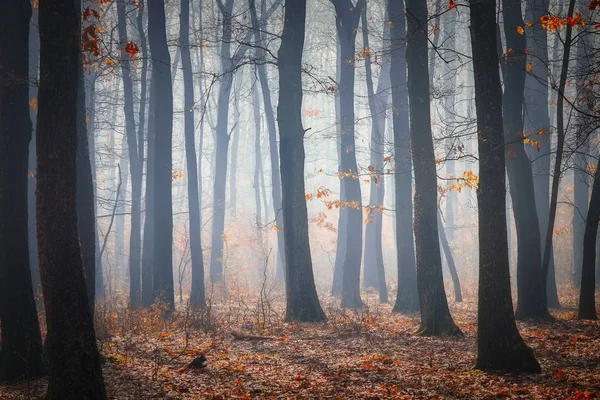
587 289
449 260
148 248
135 159
74 362
34 55
435 315
235 145
273 147
547 273
301 294
531 301
342 231
86 215
21 354
374 272
197 295
347 18
407 297
257 167
163 128
499 345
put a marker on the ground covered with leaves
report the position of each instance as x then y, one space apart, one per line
369 354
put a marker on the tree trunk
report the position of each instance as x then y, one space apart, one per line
499 345
257 168
74 362
449 260
135 162
197 297
347 18
374 271
406 298
34 55
547 272
21 354
435 315
587 289
163 129
86 214
301 294
531 301
148 246
273 148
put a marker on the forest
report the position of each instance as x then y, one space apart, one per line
299 199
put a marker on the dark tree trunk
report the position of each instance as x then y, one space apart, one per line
406 298
135 163
538 122
301 294
273 147
531 301
449 260
374 271
499 345
21 354
86 213
435 315
34 55
235 145
74 362
163 129
257 169
197 294
587 290
347 18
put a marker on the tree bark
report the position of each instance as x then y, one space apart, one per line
163 129
406 298
21 354
74 363
531 301
499 345
301 294
197 297
374 271
135 163
435 315
347 18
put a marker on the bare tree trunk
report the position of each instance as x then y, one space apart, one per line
163 127
21 354
75 371
301 294
499 345
435 315
407 297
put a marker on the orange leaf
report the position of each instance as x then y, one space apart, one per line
520 30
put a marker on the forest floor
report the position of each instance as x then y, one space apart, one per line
368 354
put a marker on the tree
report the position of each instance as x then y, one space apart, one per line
272 130
86 211
21 354
374 272
531 301
560 138
301 294
499 345
163 157
435 315
197 294
74 362
347 18
406 298
135 160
